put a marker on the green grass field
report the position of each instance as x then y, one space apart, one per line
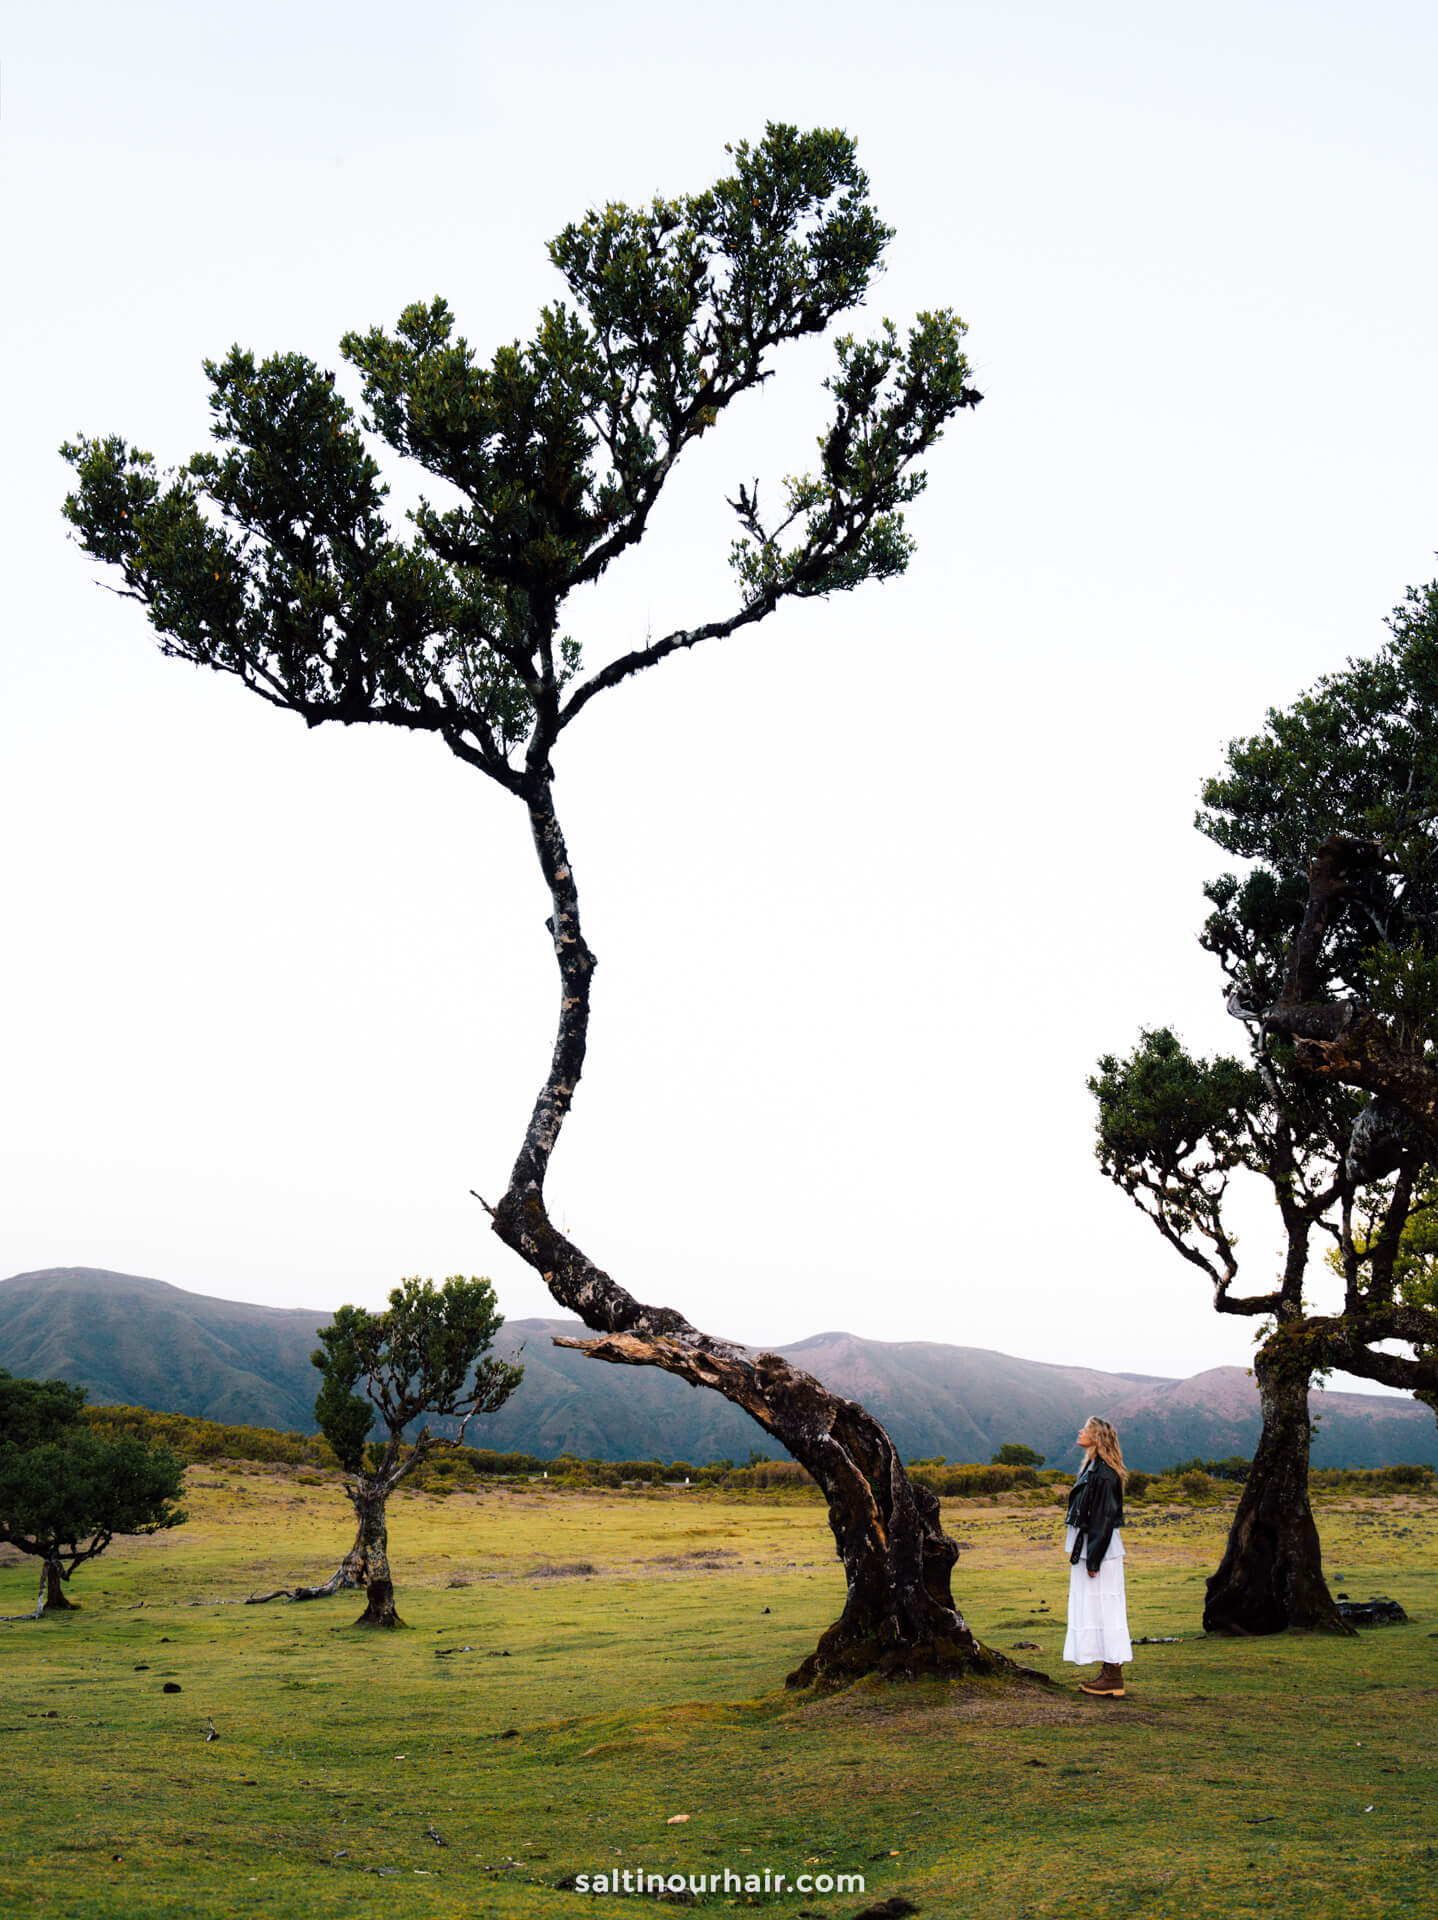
582 1668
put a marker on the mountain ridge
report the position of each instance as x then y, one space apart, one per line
134 1340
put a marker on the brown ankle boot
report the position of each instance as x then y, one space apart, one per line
1107 1682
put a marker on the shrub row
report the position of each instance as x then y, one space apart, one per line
1196 1482
196 1439
1399 1479
961 1479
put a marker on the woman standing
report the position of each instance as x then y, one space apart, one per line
1098 1610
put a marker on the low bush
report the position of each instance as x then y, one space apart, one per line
1234 1467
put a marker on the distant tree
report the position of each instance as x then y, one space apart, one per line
1014 1454
424 1357
273 560
65 1492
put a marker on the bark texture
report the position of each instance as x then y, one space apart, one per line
899 1615
1271 1574
371 1554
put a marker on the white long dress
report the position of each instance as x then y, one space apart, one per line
1098 1609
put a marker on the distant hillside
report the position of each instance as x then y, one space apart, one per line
143 1343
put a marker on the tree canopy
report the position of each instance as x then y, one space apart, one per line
274 559
425 1355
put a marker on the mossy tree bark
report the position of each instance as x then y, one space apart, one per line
1271 1574
369 1557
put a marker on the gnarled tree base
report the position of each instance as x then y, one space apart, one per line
379 1606
1270 1579
1271 1576
844 1655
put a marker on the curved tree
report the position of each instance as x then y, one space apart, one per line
425 1356
272 560
65 1492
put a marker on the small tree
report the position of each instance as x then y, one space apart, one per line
423 1357
65 1492
1013 1453
272 560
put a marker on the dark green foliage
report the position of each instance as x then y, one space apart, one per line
1172 1128
1014 1454
1358 757
423 1356
1235 1468
273 558
55 1495
1163 1112
35 1411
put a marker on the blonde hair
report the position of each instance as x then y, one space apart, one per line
1106 1446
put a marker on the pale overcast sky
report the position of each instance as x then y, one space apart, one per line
871 886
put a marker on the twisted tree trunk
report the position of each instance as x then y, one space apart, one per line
899 1616
1271 1574
370 1553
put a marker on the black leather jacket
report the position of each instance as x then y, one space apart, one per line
1095 1508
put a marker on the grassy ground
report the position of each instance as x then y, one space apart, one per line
583 1668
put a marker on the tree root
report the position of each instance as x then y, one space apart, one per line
338 1581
